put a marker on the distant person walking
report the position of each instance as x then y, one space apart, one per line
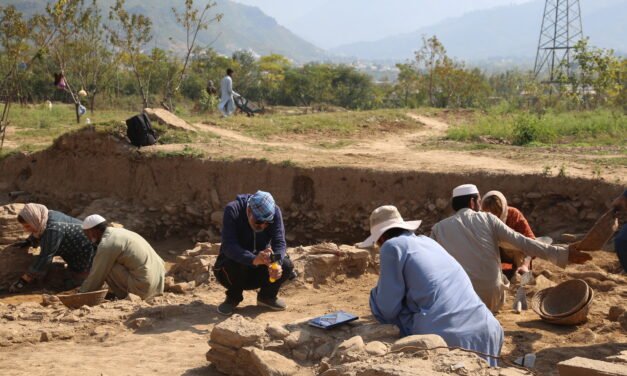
227 103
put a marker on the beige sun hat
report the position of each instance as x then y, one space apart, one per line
384 218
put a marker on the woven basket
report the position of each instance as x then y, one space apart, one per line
578 317
565 299
91 299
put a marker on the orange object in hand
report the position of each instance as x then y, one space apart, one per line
273 266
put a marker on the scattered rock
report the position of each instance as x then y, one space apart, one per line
141 323
615 312
419 342
297 338
372 332
44 337
376 348
622 319
351 346
277 331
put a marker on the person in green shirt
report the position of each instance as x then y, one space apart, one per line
124 260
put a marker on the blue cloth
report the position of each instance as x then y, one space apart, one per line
620 245
63 237
240 243
262 205
423 290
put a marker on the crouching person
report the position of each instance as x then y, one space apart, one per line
124 260
423 290
252 254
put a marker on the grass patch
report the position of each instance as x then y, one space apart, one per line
35 127
329 123
600 127
335 144
187 151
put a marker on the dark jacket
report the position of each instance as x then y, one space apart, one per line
62 237
240 243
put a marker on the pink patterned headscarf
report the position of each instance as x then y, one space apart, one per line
35 215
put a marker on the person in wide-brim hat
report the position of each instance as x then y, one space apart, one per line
423 290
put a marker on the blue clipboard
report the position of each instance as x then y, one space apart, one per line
332 320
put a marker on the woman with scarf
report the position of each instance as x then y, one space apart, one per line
494 202
56 234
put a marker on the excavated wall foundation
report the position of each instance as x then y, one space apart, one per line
160 196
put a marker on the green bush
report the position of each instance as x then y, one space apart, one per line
528 129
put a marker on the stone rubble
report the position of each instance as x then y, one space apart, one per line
242 347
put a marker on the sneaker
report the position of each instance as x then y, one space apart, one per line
227 308
275 304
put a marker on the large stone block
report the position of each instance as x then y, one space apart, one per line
270 363
589 367
418 342
237 332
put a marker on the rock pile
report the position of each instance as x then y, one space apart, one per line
240 346
193 268
321 263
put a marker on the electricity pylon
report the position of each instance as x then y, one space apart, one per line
561 30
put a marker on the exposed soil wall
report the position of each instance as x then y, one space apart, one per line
165 196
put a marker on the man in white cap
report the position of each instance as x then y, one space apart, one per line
423 290
472 237
124 260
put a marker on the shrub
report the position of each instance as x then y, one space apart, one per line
527 129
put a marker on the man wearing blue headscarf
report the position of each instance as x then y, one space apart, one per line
252 254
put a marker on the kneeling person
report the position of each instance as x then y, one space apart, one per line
423 290
124 260
252 238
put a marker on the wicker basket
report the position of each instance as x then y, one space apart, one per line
578 317
565 299
91 299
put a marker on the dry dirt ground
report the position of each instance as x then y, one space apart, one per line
424 150
170 336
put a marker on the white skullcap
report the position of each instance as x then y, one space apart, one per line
93 221
465 190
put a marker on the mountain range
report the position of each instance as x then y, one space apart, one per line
242 28
507 32
504 33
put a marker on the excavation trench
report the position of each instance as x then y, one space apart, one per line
175 196
175 200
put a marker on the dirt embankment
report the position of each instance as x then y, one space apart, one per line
162 196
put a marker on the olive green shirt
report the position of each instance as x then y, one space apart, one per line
118 246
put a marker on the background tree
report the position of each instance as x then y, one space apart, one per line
68 18
94 61
193 21
429 57
130 34
22 42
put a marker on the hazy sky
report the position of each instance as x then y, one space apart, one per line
329 23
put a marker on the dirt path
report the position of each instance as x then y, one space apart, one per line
405 151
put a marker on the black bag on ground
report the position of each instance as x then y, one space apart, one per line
139 131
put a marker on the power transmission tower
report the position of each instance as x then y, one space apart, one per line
561 30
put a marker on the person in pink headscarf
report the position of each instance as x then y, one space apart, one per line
56 234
